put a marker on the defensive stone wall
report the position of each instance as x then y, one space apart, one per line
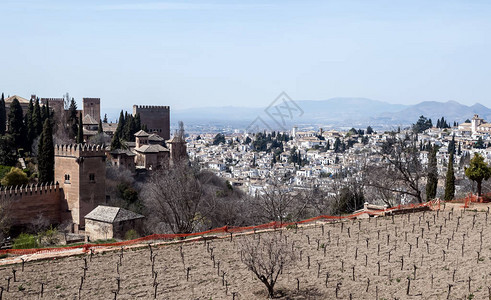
27 202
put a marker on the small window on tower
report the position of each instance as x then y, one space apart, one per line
67 178
92 177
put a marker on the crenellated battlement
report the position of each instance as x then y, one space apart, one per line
28 190
91 99
79 150
43 100
151 107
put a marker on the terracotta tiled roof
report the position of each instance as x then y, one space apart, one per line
151 149
19 98
89 120
141 133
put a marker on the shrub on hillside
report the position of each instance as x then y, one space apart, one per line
15 177
25 241
131 235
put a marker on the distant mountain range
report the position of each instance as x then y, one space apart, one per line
338 112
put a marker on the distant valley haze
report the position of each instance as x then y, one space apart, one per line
341 112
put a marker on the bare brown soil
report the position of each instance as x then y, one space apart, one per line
414 242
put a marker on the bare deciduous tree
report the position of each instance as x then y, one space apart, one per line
267 258
276 202
401 172
4 217
173 197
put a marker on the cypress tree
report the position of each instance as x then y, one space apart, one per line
73 119
138 123
99 129
3 116
116 141
450 180
126 135
44 113
132 129
105 118
80 131
37 123
451 146
432 179
16 123
31 134
46 157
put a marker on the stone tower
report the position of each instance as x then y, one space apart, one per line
177 147
81 172
156 118
92 107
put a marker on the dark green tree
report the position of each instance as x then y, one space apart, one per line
16 123
478 171
479 144
99 128
46 156
432 177
369 130
73 119
138 122
45 113
7 150
116 141
337 146
450 180
3 116
105 118
129 129
451 145
219 139
80 131
422 124
28 120
37 123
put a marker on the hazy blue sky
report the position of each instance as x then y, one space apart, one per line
216 53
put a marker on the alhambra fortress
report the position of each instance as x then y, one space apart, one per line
79 188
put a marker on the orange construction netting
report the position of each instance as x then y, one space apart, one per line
226 229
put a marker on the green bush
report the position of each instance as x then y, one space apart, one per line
49 237
131 235
4 170
25 241
14 177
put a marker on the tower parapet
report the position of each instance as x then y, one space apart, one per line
18 191
79 150
155 117
150 107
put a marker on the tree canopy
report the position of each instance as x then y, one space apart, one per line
16 123
478 171
450 180
46 154
15 177
422 124
3 115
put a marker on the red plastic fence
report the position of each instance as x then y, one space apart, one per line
225 229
